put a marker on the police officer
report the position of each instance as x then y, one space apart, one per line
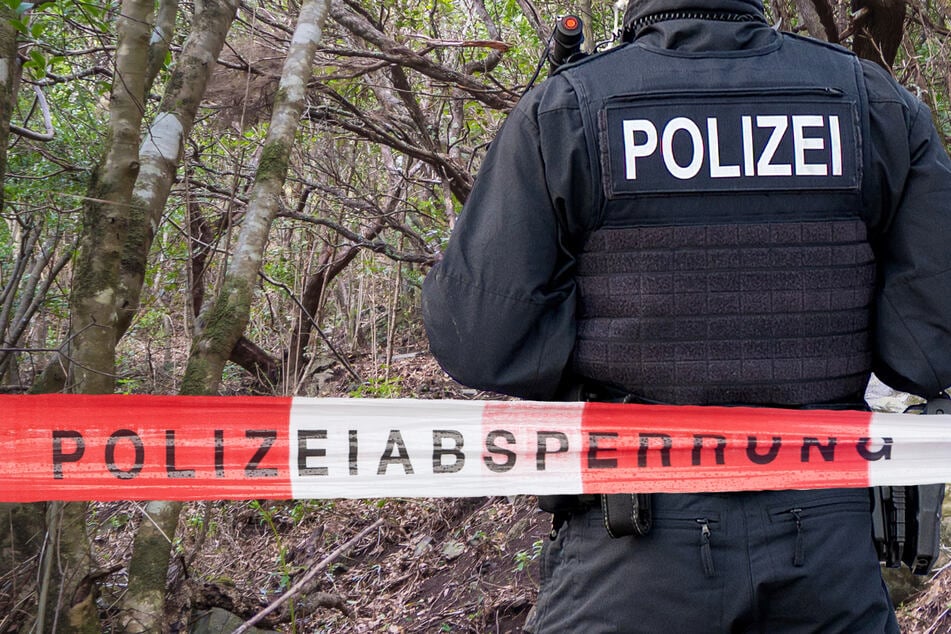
713 213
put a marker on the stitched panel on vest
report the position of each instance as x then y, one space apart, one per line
767 313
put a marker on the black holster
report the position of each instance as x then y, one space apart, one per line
906 525
625 514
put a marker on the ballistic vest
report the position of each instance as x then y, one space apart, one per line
730 261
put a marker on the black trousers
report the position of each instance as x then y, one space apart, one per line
769 562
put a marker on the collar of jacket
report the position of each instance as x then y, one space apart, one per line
637 9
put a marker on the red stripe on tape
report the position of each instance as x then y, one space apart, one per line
687 449
113 447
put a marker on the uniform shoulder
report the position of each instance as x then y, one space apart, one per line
593 58
802 40
882 86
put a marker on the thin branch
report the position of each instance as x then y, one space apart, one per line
313 572
47 121
315 325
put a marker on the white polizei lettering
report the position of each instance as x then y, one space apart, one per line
835 145
713 139
812 143
765 165
633 150
674 126
802 143
749 162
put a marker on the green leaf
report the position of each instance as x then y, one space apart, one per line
36 64
20 26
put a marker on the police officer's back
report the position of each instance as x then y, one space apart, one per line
716 213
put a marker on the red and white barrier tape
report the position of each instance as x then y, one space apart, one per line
102 448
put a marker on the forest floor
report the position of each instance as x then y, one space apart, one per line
431 565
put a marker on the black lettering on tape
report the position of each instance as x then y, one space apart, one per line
139 461
594 447
644 446
885 453
170 468
253 470
219 453
543 438
718 452
494 449
763 458
395 444
59 457
459 458
304 452
827 451
352 435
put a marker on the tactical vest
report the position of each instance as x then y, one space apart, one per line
730 263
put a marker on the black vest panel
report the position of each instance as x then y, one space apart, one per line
752 313
730 262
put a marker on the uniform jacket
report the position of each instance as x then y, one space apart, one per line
644 217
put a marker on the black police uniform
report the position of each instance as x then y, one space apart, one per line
715 213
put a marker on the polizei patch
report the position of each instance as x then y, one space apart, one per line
802 141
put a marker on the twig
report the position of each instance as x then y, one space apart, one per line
316 569
938 620
313 322
50 544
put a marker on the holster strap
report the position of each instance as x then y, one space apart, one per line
626 514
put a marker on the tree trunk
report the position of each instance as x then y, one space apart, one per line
879 27
9 65
818 18
93 332
161 150
330 264
21 525
160 156
161 41
224 320
144 603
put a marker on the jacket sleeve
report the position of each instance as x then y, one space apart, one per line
499 308
913 248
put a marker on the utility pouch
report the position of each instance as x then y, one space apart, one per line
627 514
